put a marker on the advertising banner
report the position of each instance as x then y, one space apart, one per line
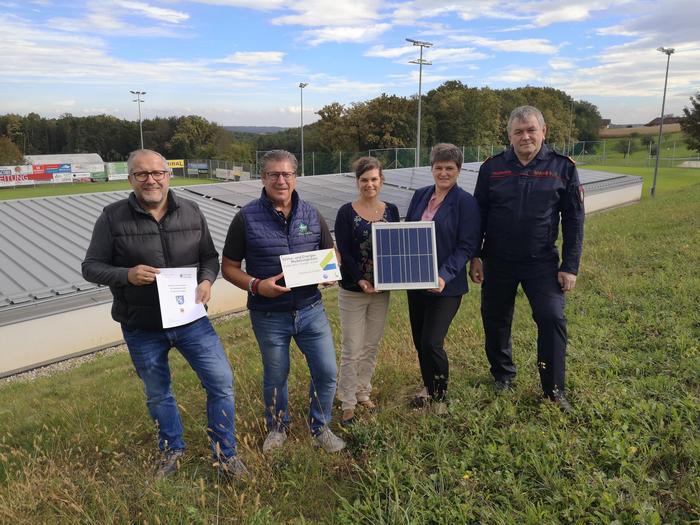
179 163
15 175
116 170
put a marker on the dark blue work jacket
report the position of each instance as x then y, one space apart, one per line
521 207
456 234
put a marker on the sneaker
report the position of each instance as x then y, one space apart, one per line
504 385
557 397
233 468
169 463
275 439
347 418
420 400
328 441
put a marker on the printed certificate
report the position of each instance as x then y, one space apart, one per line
315 267
176 293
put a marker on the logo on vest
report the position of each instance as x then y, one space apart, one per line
303 229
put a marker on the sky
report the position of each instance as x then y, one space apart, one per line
240 62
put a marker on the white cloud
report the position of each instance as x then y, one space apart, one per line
524 45
109 18
157 13
517 75
254 57
438 55
558 64
31 54
322 83
564 13
341 13
454 54
344 34
391 52
263 5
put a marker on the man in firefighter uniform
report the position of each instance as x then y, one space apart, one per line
523 193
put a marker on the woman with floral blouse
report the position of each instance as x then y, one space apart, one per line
363 309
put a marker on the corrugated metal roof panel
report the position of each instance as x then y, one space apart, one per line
43 243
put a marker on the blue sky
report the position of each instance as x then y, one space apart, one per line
239 62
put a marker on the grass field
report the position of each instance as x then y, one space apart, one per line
641 130
667 180
614 152
78 447
50 190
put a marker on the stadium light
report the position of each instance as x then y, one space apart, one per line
138 100
302 85
668 51
420 63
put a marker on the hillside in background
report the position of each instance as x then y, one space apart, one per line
607 133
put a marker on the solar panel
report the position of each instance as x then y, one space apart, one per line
405 255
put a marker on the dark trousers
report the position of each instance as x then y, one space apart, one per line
546 299
430 317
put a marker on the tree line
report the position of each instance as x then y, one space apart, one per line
453 112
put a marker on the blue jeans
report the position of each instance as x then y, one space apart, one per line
310 329
201 347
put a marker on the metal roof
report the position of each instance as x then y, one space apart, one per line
42 245
326 192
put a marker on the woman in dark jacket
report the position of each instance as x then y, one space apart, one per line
362 308
457 231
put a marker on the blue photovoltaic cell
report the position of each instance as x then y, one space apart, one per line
404 255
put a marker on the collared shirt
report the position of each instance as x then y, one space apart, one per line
431 209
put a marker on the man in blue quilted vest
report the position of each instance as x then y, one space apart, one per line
279 223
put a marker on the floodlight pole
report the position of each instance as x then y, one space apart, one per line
138 101
302 85
420 63
668 51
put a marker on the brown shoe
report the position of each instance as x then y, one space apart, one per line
368 404
348 417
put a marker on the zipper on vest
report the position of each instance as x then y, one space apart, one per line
165 245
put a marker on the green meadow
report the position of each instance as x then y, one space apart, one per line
79 447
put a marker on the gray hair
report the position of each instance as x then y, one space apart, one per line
444 152
137 153
523 113
277 155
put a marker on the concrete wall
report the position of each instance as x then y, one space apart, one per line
613 198
49 339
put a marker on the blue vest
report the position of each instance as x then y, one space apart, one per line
269 235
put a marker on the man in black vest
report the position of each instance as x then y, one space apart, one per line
523 193
279 223
132 239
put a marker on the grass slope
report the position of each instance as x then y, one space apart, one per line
667 180
78 447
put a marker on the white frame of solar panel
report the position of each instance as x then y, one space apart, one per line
405 285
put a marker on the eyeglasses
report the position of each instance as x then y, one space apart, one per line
275 175
142 176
